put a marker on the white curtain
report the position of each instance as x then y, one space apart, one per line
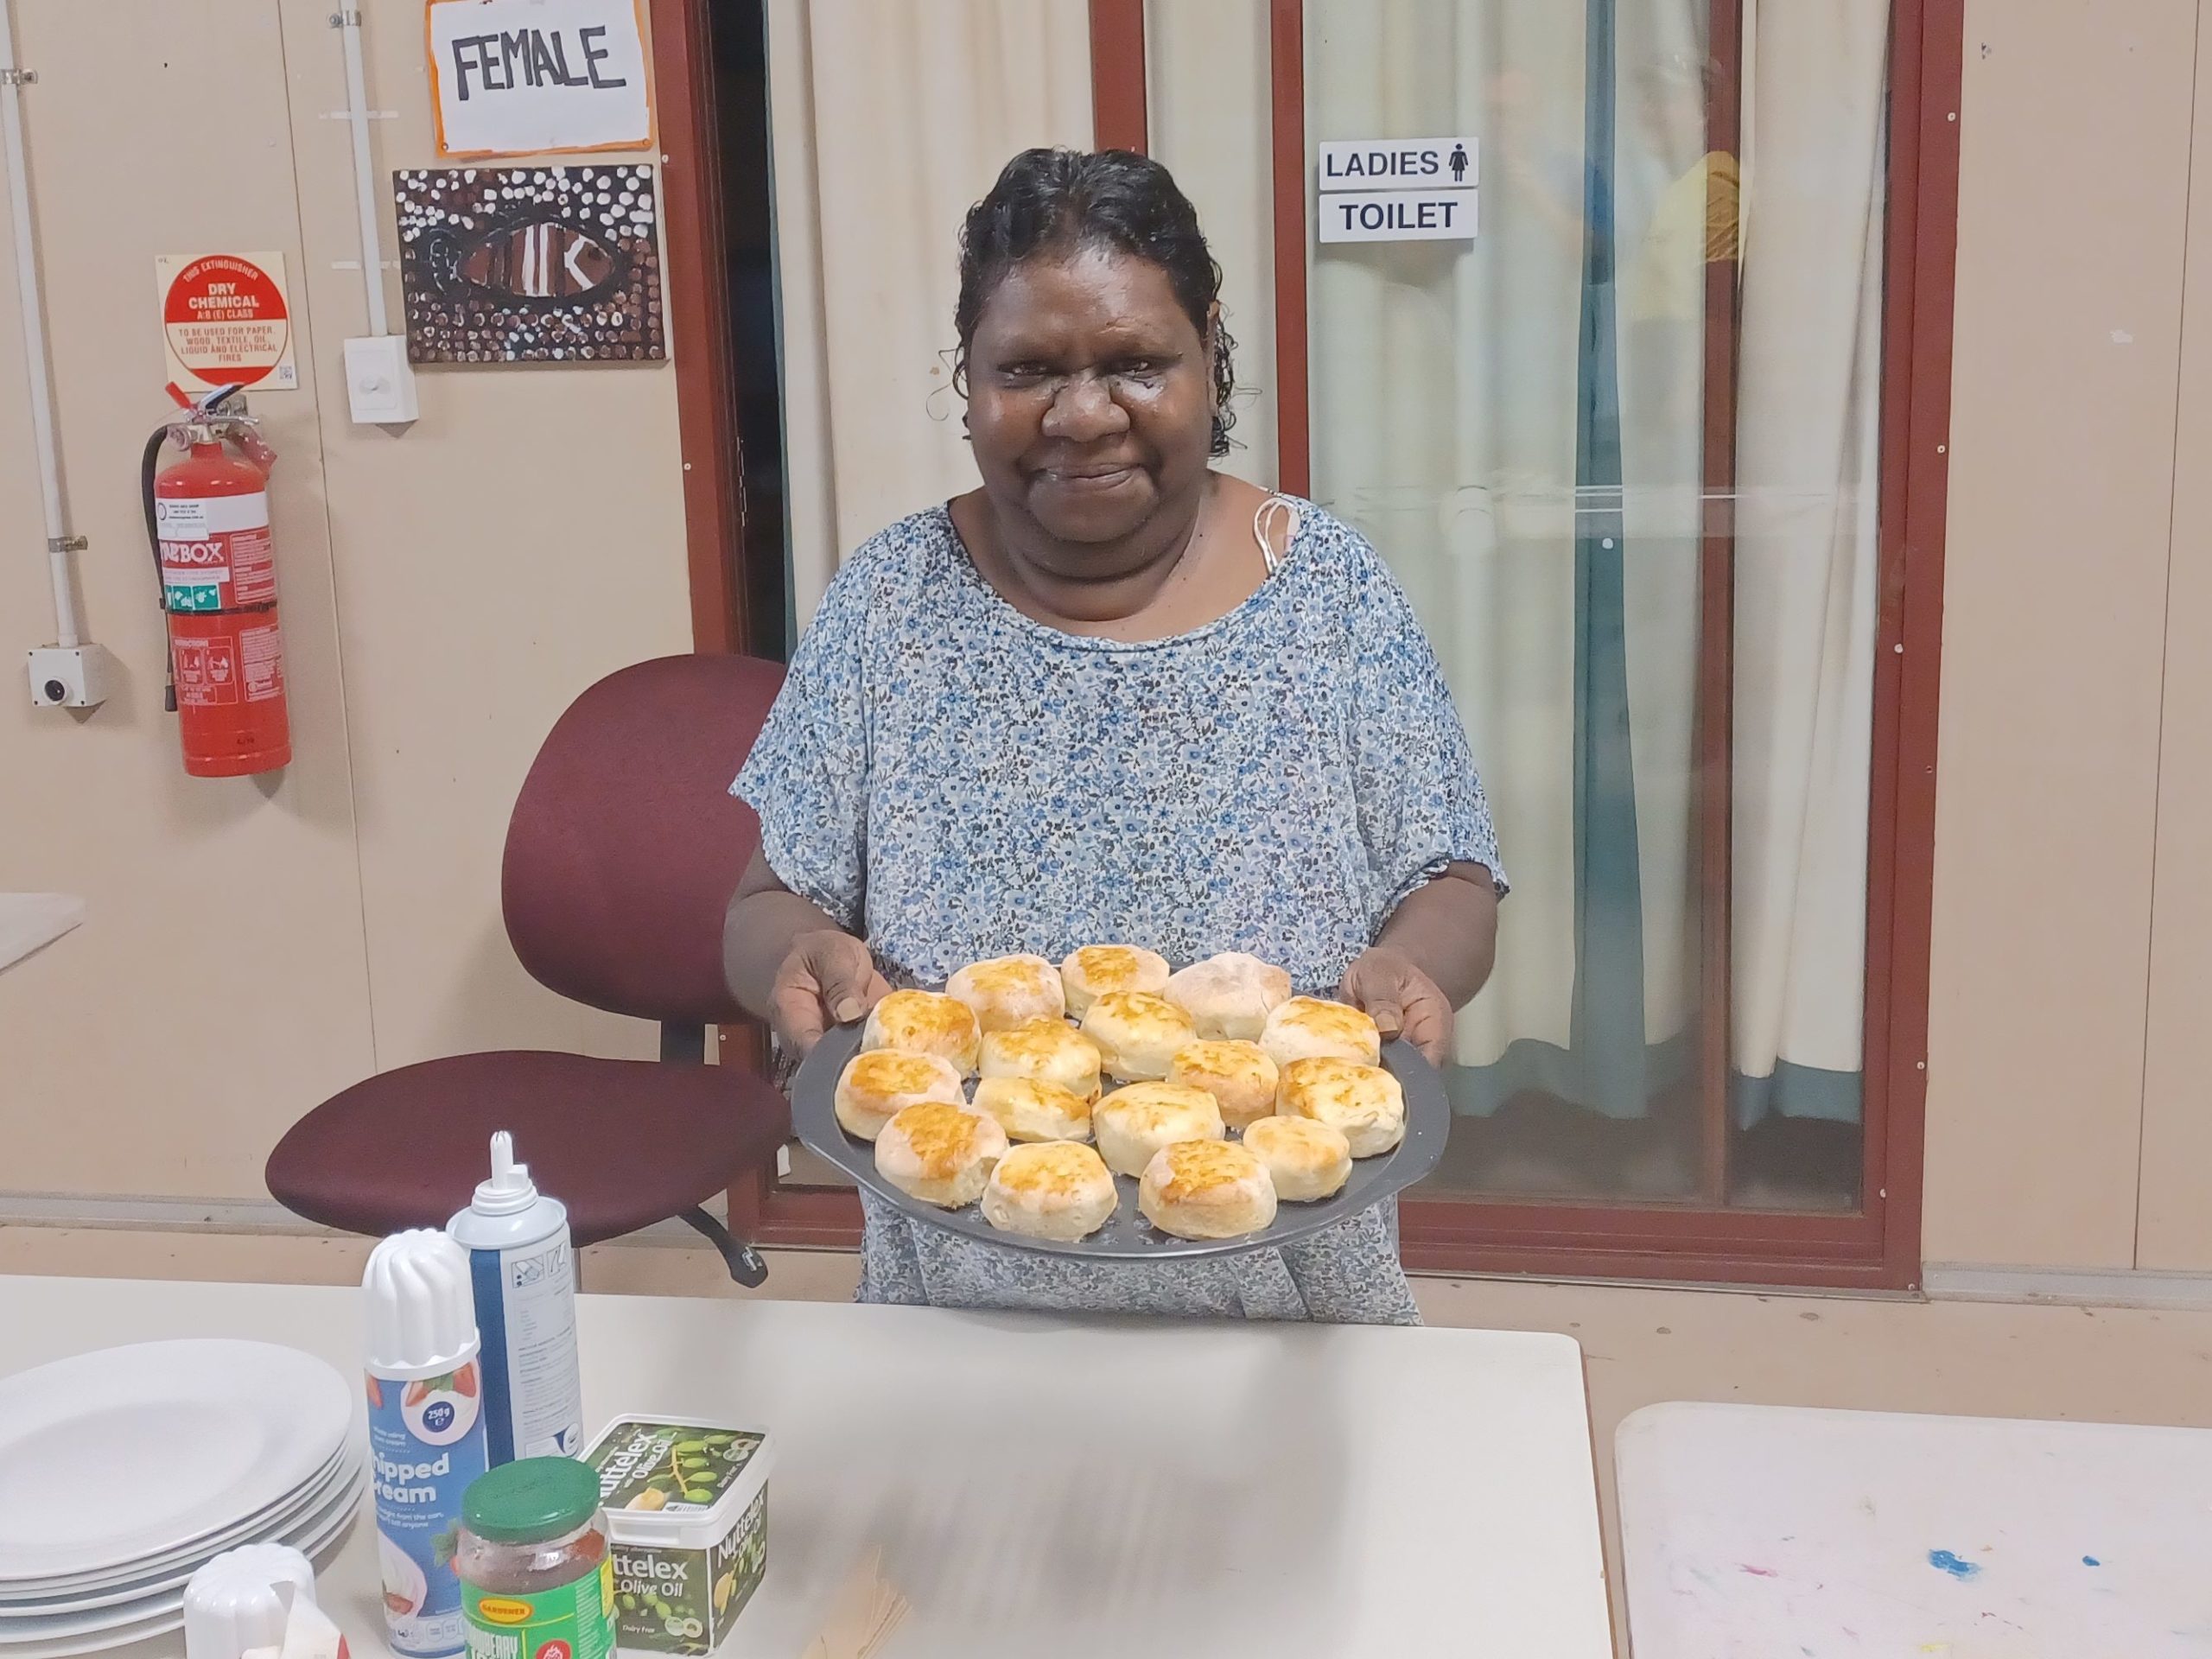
889 119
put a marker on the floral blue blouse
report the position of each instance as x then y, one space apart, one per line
954 780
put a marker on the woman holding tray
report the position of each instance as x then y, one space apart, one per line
1113 697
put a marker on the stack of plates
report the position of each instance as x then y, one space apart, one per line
121 1472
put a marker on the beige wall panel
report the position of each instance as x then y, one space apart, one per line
2072 194
2175 1226
216 987
521 539
1211 122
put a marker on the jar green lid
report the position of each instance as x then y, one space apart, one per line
531 1500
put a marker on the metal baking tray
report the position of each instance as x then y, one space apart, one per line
1128 1236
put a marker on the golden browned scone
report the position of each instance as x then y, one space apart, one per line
1008 990
1239 1076
1308 1159
1029 1108
1055 1189
1138 1034
1306 1026
940 1153
1206 1189
1090 973
1134 1122
924 1022
876 1086
1052 1051
1231 996
1364 1101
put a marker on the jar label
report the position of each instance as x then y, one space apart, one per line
574 1621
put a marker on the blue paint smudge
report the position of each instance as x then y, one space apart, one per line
1943 1561
2091 1561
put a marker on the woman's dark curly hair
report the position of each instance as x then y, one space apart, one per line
1057 200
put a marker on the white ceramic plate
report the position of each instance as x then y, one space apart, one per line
20 1619
135 1576
166 1613
111 1458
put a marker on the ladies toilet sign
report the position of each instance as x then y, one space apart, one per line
1398 189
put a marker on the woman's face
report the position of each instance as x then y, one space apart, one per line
1089 397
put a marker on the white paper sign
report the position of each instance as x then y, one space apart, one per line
1398 216
534 77
1397 189
1399 164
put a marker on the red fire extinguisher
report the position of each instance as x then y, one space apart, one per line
207 517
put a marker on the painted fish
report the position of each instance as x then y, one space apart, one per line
536 259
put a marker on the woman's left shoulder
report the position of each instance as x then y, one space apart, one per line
1337 562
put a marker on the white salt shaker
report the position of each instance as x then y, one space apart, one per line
240 1600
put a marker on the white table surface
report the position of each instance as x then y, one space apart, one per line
1767 1532
1071 1490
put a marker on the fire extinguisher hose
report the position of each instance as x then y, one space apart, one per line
148 466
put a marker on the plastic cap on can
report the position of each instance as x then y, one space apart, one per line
241 1599
510 1191
421 1311
531 1500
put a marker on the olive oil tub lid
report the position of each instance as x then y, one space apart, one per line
678 1483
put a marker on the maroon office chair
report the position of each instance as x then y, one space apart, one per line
622 852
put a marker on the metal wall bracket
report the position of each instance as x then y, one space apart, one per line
18 77
66 544
345 20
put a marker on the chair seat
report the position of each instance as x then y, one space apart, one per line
623 1143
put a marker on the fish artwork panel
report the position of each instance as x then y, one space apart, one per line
531 264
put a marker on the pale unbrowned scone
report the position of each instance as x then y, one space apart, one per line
1090 972
1007 990
1238 1075
1050 1051
1230 997
1138 1034
1029 1108
1308 1159
940 1153
1306 1027
924 1022
874 1087
1054 1189
1133 1124
1206 1189
1364 1101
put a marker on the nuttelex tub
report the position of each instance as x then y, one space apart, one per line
687 1516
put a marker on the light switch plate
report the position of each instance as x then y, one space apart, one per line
379 380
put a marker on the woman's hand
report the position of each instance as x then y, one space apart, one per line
1400 999
827 977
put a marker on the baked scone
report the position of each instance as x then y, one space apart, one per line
1206 1189
1364 1101
1239 1076
1138 1034
1007 990
1231 996
1306 1026
876 1086
1134 1122
1090 973
1308 1159
1050 1051
940 1153
1029 1108
1056 1189
924 1022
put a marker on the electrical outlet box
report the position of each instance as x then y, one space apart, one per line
379 380
69 677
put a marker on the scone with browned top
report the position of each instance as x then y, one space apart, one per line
1206 1189
1308 1159
1053 1189
1133 1124
1364 1101
1307 1027
1052 1051
1007 990
877 1086
1029 1108
940 1153
1090 972
1137 1034
1239 1076
925 1022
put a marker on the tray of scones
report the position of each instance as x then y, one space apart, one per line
1112 1107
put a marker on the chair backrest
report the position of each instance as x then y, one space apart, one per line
625 843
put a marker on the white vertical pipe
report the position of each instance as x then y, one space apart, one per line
357 114
39 371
